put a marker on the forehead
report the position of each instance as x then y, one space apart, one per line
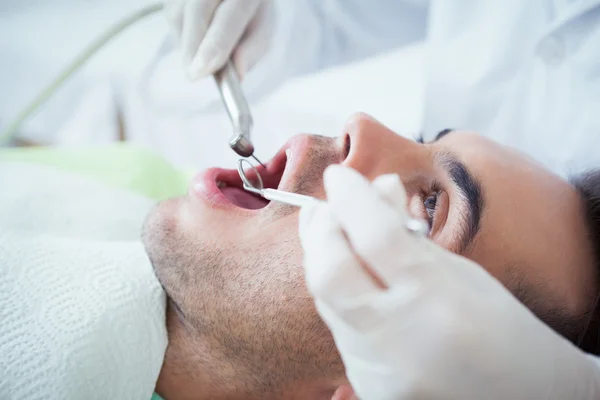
498 167
532 223
473 148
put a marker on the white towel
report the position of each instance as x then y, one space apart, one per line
82 315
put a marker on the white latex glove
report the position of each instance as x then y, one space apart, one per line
441 327
212 31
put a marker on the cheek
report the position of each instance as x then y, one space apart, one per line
276 254
194 218
490 253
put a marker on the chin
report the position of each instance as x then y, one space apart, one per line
159 229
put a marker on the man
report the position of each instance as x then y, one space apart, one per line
240 321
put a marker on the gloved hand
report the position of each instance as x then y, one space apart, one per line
414 321
212 31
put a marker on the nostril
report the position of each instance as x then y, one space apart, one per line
347 144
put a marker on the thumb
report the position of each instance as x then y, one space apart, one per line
390 188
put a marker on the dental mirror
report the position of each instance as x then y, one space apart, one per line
254 187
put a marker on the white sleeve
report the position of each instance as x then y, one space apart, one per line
315 34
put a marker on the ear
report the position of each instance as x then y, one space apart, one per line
344 392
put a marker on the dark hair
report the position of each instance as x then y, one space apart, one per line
588 186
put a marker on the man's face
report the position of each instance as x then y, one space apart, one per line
234 275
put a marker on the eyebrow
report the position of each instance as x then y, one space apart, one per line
442 133
420 137
470 190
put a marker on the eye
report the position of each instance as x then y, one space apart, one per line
430 204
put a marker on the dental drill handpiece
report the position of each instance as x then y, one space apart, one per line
238 110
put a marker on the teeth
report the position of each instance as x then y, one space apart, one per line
288 152
221 184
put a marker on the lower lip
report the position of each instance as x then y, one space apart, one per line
204 186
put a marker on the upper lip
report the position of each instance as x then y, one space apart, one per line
283 167
278 173
291 157
283 172
272 170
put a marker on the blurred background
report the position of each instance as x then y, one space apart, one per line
135 90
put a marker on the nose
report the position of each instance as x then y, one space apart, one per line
375 149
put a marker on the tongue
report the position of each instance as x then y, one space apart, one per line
243 199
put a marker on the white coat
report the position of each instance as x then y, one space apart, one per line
523 72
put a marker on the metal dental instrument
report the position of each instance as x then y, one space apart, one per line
281 196
238 110
413 225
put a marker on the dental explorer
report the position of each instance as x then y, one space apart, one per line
229 86
413 225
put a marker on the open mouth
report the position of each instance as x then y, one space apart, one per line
231 187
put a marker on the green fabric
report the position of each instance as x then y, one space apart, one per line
120 165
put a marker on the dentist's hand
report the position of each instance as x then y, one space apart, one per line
414 321
212 31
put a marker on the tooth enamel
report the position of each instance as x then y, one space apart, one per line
288 152
220 184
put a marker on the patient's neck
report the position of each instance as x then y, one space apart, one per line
192 369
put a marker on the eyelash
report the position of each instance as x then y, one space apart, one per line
434 190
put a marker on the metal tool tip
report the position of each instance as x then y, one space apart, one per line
258 161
